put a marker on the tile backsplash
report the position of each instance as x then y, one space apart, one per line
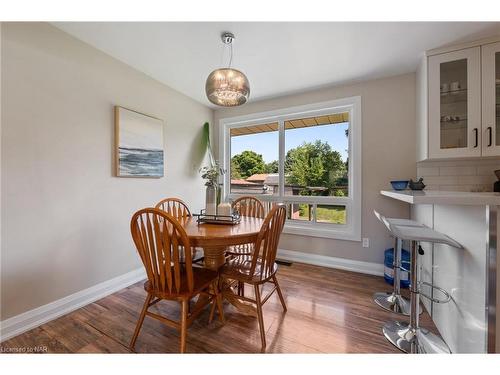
468 175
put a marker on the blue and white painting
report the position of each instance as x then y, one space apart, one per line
139 143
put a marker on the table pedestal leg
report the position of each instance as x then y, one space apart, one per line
231 297
214 259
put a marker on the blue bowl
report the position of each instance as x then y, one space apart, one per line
400 185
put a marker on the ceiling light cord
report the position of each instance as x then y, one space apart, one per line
223 54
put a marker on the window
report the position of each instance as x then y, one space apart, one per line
250 148
307 157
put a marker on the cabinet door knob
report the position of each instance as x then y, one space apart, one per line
490 139
476 135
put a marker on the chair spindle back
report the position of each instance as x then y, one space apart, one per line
249 206
159 239
268 238
175 207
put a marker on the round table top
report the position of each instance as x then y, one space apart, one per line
204 234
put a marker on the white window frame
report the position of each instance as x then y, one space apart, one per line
349 231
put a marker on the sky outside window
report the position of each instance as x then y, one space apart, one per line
266 143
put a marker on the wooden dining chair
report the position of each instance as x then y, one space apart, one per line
249 206
180 210
260 267
158 237
246 206
175 207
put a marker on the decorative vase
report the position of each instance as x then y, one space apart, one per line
211 201
219 194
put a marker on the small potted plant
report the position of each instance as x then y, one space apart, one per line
211 176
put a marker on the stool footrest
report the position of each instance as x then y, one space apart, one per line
436 300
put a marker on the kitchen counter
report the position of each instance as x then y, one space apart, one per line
468 322
444 197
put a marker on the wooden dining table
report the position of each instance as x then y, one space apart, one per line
214 239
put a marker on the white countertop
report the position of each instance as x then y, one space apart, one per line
444 197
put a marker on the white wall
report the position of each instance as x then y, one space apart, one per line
65 217
389 148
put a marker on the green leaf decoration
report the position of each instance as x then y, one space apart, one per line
207 143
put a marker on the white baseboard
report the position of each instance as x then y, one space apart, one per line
332 262
31 319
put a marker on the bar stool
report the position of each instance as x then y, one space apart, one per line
411 338
394 301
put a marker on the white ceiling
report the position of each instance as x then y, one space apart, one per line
278 58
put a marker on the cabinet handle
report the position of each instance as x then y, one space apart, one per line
476 135
490 139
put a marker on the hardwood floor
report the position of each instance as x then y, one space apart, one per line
329 311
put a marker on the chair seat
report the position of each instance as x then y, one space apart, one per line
244 249
239 268
423 234
404 222
202 278
389 221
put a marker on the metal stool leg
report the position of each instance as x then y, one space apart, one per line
394 301
410 338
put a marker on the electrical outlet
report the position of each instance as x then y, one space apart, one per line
366 242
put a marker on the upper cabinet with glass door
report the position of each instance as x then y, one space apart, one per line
455 104
458 110
491 99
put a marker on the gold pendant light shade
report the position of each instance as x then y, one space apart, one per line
227 87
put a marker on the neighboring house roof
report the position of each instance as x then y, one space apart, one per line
272 179
258 177
241 182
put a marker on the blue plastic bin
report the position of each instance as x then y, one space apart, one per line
389 270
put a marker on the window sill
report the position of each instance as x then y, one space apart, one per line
347 234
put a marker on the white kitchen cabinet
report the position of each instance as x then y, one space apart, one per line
455 104
490 58
458 102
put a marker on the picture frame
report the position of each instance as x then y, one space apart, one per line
139 144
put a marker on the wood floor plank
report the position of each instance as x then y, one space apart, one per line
34 341
104 344
329 311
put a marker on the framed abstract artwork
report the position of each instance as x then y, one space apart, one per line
139 144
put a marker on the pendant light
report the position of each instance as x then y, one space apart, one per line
227 87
